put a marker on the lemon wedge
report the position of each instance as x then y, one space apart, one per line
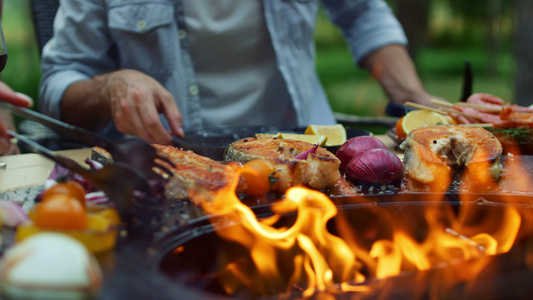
423 118
335 134
312 139
268 135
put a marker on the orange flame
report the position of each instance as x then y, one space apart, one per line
305 254
318 256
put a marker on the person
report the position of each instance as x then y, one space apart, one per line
155 69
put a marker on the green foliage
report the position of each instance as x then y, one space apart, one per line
478 10
326 34
22 71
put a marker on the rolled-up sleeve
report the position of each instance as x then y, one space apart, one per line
80 49
366 24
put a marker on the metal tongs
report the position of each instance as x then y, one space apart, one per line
128 150
117 180
132 168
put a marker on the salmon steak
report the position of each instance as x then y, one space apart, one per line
318 171
196 177
432 153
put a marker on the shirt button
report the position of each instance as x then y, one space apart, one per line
193 90
182 34
141 25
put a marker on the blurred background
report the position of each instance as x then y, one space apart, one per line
442 33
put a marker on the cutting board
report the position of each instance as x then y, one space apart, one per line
28 170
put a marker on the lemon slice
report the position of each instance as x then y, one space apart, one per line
450 120
312 139
423 118
267 135
335 134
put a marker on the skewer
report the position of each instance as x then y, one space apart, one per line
478 125
421 106
476 106
443 111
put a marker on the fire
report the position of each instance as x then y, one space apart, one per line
303 255
317 257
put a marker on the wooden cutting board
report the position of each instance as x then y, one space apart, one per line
27 170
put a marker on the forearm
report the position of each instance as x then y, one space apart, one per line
83 105
392 67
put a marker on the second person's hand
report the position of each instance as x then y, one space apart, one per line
130 99
136 100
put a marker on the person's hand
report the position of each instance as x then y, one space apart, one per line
6 120
136 100
424 98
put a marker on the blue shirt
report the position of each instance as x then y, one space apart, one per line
93 37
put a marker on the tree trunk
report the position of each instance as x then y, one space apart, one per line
413 15
524 53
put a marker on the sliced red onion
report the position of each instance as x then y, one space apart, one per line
93 164
304 155
59 172
12 213
97 197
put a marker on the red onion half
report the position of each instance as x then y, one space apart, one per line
356 146
375 166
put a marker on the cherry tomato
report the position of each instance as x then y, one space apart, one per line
60 211
71 188
399 129
257 175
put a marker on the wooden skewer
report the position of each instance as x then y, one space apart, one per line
478 125
482 107
421 106
441 103
476 106
443 111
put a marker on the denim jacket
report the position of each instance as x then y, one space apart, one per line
93 37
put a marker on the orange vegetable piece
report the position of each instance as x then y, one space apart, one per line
71 188
257 175
399 129
61 211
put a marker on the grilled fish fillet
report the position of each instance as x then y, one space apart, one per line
319 171
196 177
432 152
